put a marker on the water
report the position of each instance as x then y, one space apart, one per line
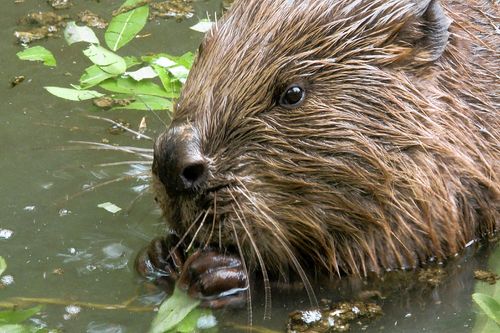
76 258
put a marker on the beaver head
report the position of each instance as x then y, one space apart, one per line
349 136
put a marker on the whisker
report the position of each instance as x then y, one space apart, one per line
94 187
124 163
197 231
243 262
151 110
291 256
265 276
184 236
214 212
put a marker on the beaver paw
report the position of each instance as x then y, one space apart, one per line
159 263
215 279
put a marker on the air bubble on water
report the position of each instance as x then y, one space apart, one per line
7 280
64 212
6 233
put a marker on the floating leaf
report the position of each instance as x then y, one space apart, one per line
108 61
202 26
179 72
168 82
18 316
489 305
92 76
124 27
130 86
143 73
16 329
173 311
3 265
164 62
110 207
74 34
148 102
132 61
185 60
73 94
38 53
196 320
167 60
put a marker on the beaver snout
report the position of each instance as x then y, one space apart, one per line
179 161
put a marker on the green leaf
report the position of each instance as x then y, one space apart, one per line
38 53
74 34
186 60
124 27
93 76
191 322
143 73
73 94
3 265
169 84
148 102
16 329
18 316
130 86
179 72
132 61
108 61
489 305
173 311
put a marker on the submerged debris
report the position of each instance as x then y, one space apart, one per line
486 276
108 102
333 318
43 25
17 80
43 19
433 276
118 127
178 9
92 20
60 4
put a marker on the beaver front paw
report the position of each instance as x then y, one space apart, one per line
217 280
161 262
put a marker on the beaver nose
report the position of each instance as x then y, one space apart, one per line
181 165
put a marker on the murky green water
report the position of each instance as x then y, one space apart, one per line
65 250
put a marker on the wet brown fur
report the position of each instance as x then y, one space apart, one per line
392 159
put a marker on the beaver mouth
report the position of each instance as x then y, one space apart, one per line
205 218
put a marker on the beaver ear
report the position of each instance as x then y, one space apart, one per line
427 31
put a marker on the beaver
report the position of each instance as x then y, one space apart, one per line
329 136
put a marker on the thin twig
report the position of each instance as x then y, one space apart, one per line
18 301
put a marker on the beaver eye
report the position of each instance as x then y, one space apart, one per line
292 97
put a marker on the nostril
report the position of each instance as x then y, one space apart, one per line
193 173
